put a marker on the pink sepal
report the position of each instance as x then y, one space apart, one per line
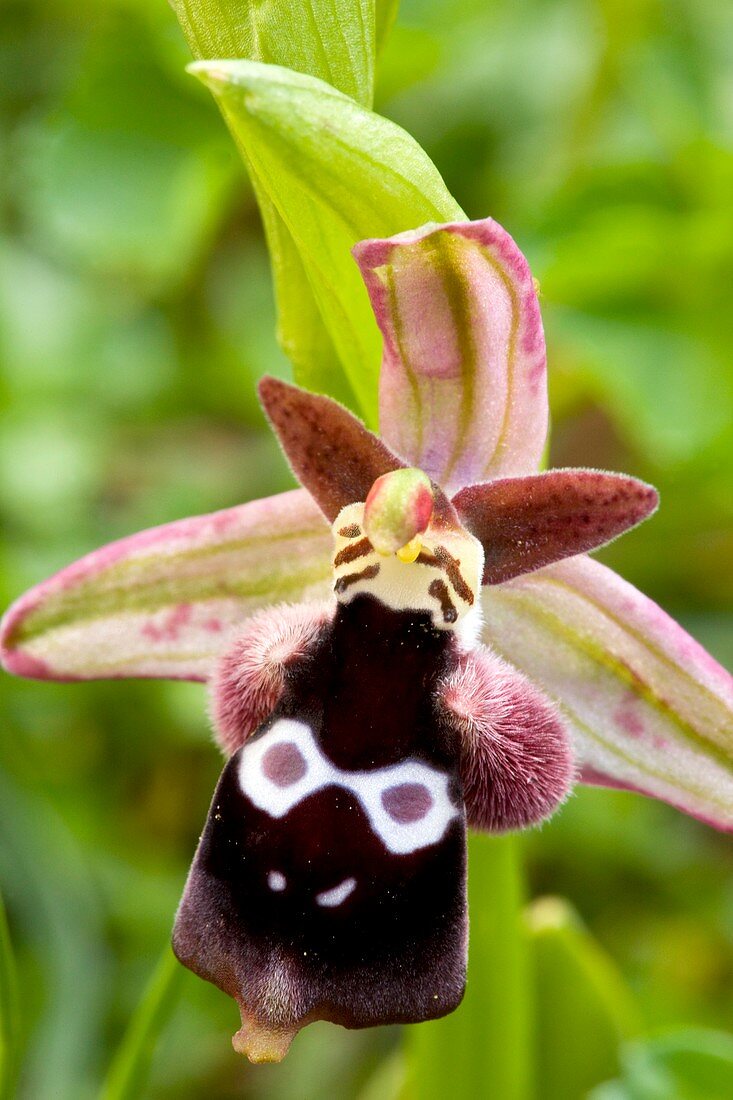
647 707
164 602
463 389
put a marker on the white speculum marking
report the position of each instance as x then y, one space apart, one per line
408 804
337 894
276 881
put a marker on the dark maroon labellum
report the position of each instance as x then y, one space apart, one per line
329 882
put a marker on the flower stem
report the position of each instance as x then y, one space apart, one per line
131 1064
484 1048
9 1024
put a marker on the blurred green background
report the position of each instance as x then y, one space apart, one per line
135 316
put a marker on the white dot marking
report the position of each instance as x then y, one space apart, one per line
276 880
333 897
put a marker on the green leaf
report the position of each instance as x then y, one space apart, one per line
330 39
385 13
337 174
131 1064
301 333
685 1065
9 1020
481 1049
583 1009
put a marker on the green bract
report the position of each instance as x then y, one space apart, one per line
336 173
335 42
330 40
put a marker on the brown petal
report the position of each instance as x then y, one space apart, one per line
330 451
525 523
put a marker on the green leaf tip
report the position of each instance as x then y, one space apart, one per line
336 173
221 75
330 39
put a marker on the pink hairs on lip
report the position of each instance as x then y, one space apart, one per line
516 759
249 678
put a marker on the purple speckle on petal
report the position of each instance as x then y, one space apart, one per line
284 764
628 718
407 802
168 629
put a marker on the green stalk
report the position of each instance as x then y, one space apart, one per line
484 1048
8 1012
131 1064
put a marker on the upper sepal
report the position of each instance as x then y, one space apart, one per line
525 523
462 391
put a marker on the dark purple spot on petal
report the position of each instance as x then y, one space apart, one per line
407 803
284 764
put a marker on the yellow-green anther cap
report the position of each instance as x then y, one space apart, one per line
398 508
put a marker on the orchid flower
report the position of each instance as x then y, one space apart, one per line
445 655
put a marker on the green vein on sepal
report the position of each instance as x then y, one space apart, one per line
167 596
621 672
123 587
638 636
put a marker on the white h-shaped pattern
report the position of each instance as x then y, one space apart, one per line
278 798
